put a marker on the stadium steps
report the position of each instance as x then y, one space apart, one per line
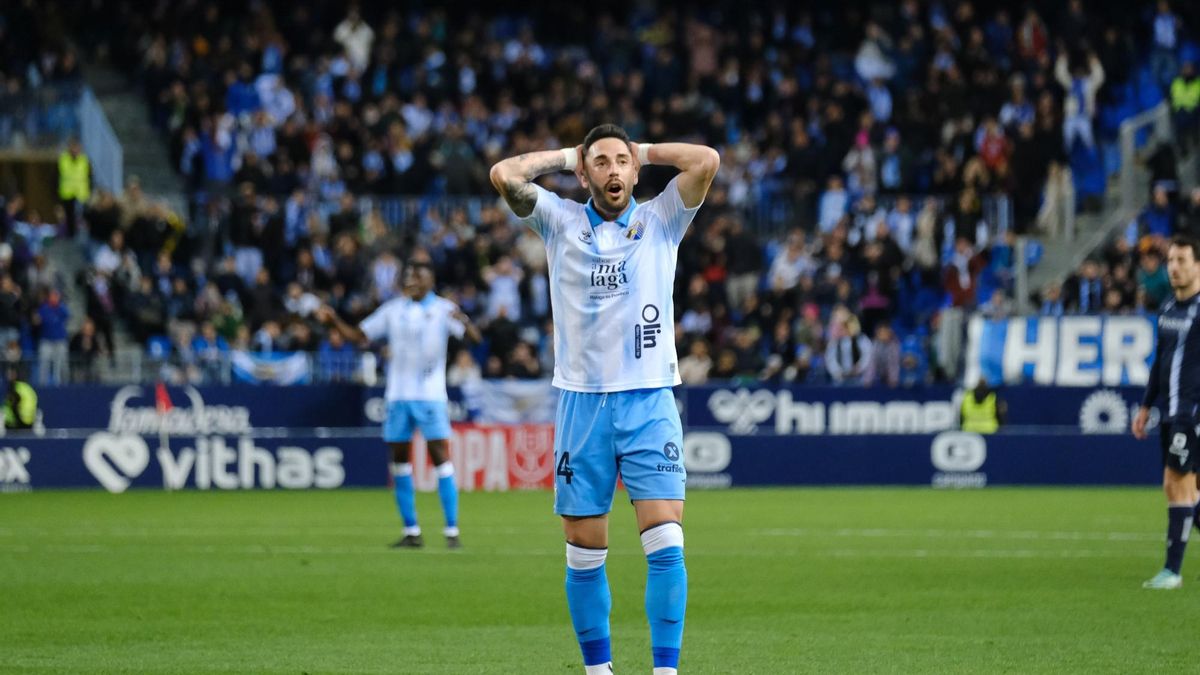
145 150
1062 257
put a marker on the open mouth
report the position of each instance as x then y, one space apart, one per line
614 189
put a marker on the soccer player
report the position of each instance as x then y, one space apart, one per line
1174 388
612 271
418 326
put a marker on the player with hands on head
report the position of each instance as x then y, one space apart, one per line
612 268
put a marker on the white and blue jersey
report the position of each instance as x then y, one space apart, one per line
611 286
417 333
610 290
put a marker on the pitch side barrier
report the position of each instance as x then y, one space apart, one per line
226 438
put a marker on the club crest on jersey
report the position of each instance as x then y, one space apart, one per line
636 231
585 235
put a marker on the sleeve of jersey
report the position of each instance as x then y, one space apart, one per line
1152 384
546 217
675 216
375 325
457 328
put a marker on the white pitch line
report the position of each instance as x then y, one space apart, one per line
1026 535
1014 554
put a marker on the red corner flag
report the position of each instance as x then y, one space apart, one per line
162 401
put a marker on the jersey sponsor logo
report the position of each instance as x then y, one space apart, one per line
585 235
645 334
609 275
1175 324
671 451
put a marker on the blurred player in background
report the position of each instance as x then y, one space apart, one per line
1174 387
417 326
612 271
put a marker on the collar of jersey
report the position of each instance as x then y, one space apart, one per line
425 301
595 218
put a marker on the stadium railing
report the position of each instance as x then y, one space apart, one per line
47 117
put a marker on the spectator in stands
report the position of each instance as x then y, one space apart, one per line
10 310
211 352
74 183
694 368
336 359
1185 104
1152 277
962 274
1052 302
51 321
883 364
1079 106
463 371
356 37
745 263
504 281
1083 290
85 350
997 306
791 264
849 351
1157 220
1166 28
523 364
146 311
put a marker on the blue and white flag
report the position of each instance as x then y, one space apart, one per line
282 368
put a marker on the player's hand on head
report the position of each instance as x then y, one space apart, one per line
579 165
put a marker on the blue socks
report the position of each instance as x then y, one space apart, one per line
406 496
448 492
589 601
666 592
1179 525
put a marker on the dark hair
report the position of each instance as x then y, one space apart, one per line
1184 241
604 131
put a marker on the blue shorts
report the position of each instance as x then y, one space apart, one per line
634 433
404 416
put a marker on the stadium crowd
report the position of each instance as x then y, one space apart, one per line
281 116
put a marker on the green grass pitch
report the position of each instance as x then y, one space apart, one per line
781 581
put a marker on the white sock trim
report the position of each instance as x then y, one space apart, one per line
444 470
450 531
666 671
579 558
598 669
662 536
402 468
415 530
